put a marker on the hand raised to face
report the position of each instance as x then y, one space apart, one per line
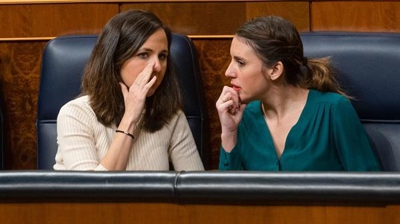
230 110
135 96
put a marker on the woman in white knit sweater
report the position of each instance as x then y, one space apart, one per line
129 115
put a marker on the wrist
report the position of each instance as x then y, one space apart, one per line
126 133
228 140
227 134
128 123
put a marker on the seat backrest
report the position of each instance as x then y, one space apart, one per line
63 62
368 66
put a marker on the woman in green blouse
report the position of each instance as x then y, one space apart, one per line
283 112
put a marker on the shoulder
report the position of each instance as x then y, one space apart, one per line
329 98
77 106
178 118
334 103
178 122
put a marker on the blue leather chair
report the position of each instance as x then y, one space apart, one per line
368 66
64 59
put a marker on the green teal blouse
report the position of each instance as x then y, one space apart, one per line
327 137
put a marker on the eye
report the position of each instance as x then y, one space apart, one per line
143 55
162 57
240 63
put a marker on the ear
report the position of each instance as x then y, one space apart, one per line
277 71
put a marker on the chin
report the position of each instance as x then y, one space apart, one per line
245 100
242 98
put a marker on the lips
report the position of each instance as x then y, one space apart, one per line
236 88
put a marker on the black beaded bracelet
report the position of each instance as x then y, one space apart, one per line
127 133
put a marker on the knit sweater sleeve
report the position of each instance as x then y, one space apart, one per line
183 151
75 136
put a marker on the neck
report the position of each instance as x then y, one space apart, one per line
282 101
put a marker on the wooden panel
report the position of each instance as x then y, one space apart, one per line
392 214
214 58
49 20
197 18
118 1
43 213
20 72
356 16
286 214
296 12
219 18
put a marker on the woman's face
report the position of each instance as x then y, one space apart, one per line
155 49
247 72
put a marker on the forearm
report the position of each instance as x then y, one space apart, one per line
117 156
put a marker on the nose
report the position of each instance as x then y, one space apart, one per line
157 65
230 71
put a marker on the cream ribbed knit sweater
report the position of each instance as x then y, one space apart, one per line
83 141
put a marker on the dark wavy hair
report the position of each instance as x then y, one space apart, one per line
119 40
276 39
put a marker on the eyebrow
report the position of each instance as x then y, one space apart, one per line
239 58
150 50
